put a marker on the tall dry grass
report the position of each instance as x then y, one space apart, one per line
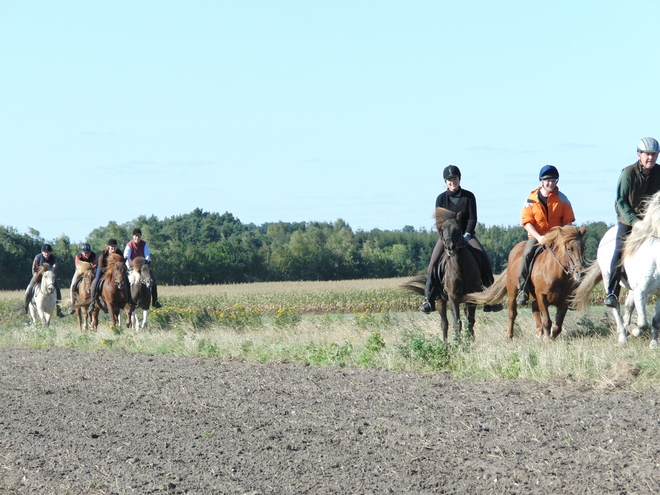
354 323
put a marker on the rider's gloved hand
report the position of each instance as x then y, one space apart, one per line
467 236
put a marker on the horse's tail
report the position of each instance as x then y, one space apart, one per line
416 284
580 297
490 295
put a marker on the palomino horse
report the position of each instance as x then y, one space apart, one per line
141 282
114 291
81 296
555 274
641 261
462 274
44 300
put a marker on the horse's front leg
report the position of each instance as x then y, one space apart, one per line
513 311
441 306
627 314
542 317
655 324
559 320
456 312
640 306
470 310
112 314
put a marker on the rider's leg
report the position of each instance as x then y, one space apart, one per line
525 268
95 283
431 280
616 268
74 280
58 293
29 291
154 293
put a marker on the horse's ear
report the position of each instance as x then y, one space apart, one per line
583 229
458 216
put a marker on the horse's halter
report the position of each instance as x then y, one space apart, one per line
574 268
453 242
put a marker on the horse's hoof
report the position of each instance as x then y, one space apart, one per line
623 340
654 344
636 332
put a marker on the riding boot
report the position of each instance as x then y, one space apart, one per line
154 294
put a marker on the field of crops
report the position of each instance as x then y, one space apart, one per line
365 323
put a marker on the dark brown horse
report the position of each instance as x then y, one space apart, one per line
115 291
141 282
555 274
459 274
81 297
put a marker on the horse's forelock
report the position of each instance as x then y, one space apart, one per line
561 236
442 215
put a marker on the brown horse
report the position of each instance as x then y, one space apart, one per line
461 275
141 281
81 296
555 274
115 291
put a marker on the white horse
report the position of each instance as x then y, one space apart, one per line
44 300
641 261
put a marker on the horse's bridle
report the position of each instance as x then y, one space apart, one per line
456 245
571 267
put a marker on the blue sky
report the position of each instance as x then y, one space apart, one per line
314 111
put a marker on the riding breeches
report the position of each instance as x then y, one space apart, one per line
616 268
526 263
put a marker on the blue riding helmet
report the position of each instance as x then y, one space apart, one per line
549 172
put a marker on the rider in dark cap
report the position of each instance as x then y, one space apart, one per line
456 199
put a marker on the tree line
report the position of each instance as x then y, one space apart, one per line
211 248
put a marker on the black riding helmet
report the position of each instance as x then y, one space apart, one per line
85 248
451 171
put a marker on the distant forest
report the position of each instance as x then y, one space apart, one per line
212 248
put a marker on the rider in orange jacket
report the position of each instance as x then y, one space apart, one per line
544 209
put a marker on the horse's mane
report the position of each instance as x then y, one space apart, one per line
560 236
441 215
45 267
113 259
138 263
648 226
83 266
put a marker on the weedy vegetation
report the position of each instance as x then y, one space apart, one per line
357 323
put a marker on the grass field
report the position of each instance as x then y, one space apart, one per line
367 323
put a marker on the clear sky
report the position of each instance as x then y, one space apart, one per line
314 111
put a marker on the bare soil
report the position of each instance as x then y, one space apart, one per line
80 422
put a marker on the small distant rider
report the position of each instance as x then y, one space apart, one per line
544 208
102 266
45 256
138 247
85 255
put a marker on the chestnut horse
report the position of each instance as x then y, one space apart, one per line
81 296
555 274
114 291
462 274
141 282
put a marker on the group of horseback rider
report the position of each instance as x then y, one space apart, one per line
137 247
546 207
